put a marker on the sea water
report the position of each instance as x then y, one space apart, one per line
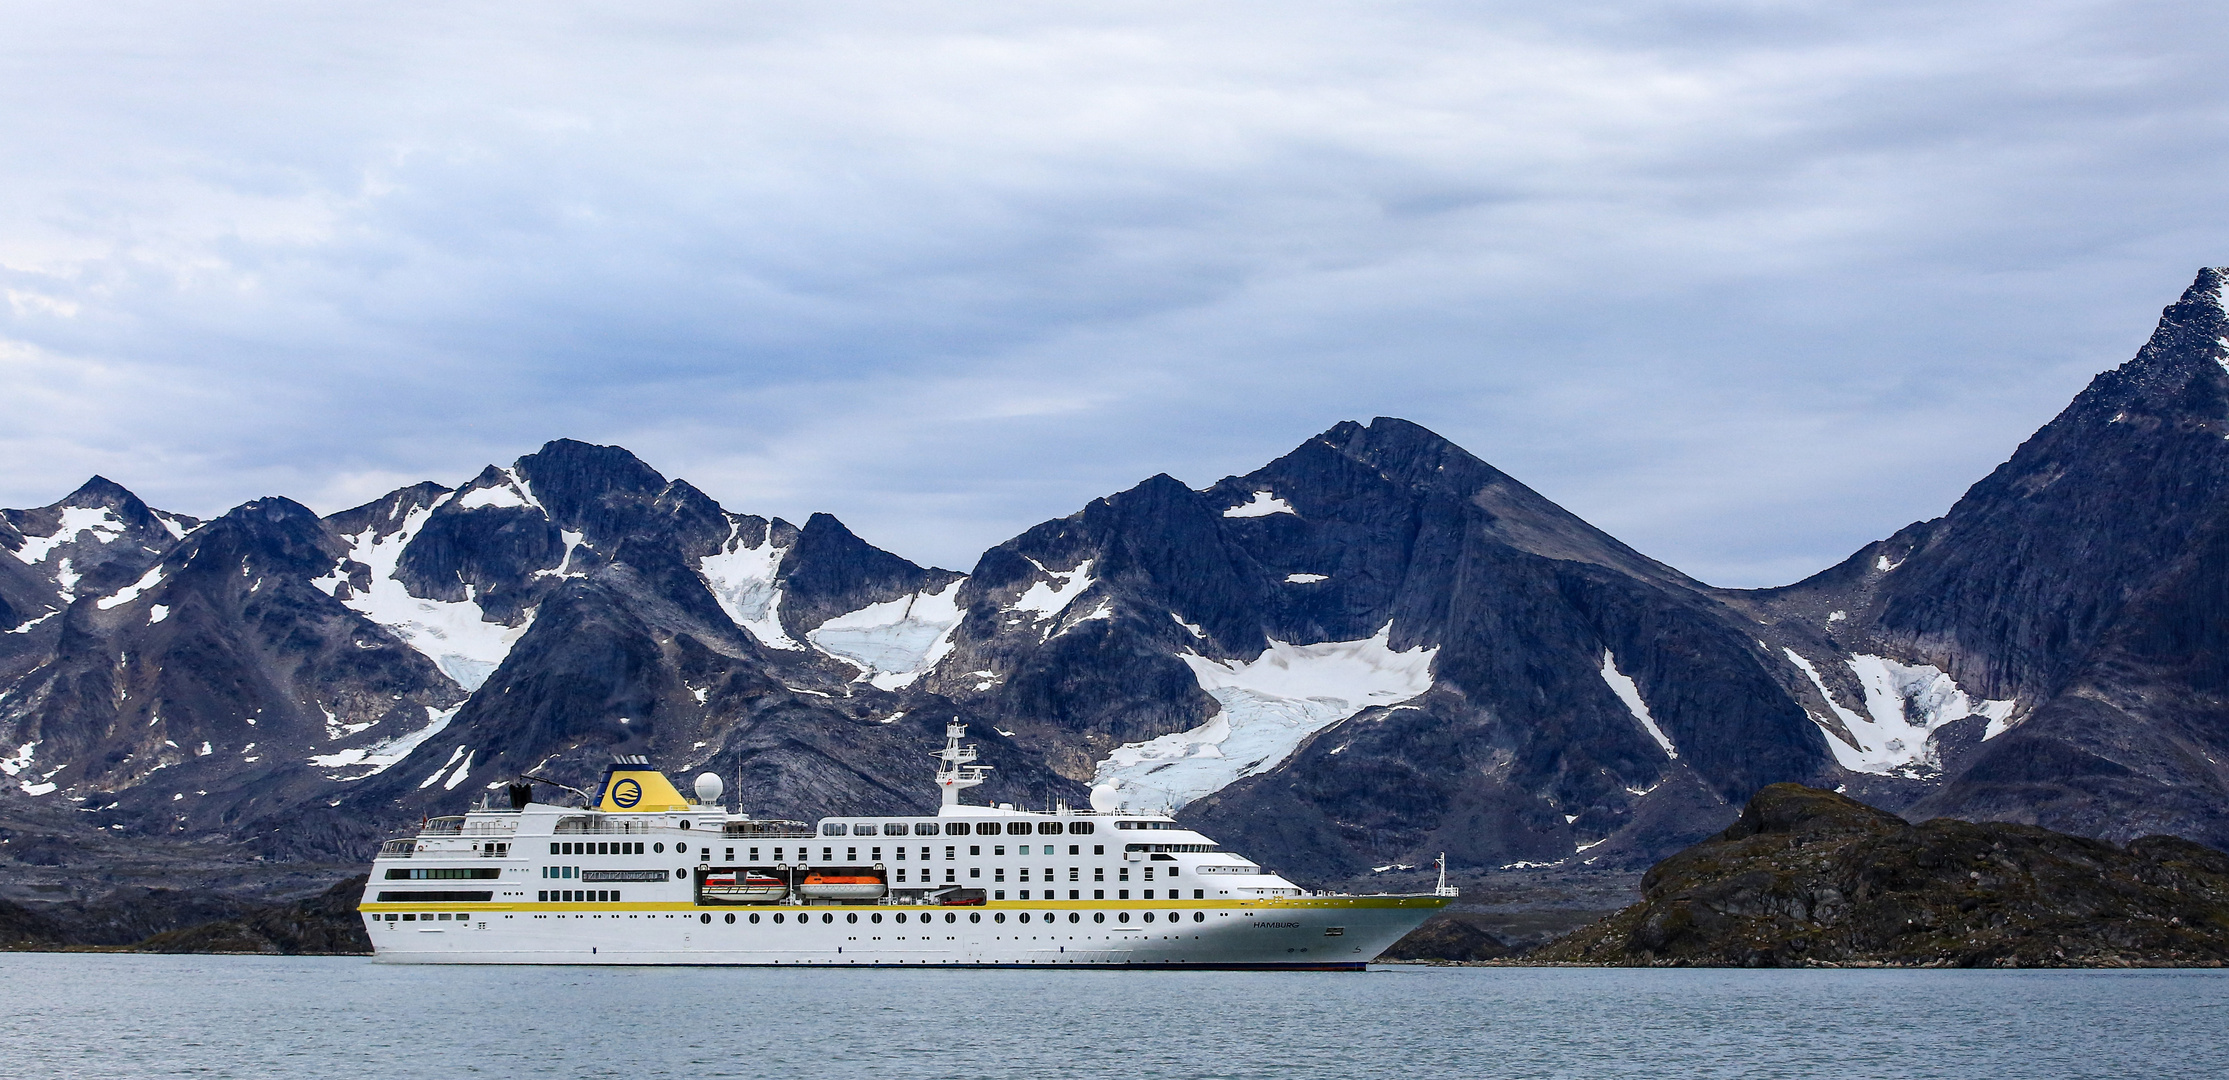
118 1017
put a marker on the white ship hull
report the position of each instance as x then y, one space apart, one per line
1315 933
648 876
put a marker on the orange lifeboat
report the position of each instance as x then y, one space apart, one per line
827 886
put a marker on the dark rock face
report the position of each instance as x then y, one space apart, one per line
1448 936
1808 877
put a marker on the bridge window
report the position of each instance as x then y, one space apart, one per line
832 828
865 830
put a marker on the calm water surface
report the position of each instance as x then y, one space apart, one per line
121 1017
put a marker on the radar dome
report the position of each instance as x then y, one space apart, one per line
709 788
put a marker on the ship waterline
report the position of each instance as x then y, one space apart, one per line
646 876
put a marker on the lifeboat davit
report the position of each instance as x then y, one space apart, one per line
819 886
744 888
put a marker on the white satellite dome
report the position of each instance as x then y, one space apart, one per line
709 788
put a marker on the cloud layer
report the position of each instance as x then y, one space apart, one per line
1746 284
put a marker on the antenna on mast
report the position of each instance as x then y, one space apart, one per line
954 770
1443 888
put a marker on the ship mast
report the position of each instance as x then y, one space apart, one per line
953 770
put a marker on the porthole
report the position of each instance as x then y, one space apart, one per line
658 848
1149 916
975 916
1199 916
876 917
901 916
1001 917
950 917
1075 917
852 917
680 849
681 874
706 917
827 918
1023 917
731 918
684 824
754 917
1176 916
1098 916
777 916
1124 917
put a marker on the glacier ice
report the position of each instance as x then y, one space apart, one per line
1905 704
894 642
742 580
1270 704
454 634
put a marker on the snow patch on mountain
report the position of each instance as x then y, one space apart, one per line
379 757
1047 599
897 641
1628 692
742 580
77 521
455 634
513 491
1305 579
1263 504
1270 705
131 592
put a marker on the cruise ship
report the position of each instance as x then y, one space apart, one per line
644 875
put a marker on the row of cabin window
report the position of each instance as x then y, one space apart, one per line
1077 894
957 828
577 896
972 916
616 847
828 854
998 873
427 917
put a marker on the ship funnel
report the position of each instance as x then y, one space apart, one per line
521 794
709 789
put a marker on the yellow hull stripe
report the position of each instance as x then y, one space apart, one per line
1338 902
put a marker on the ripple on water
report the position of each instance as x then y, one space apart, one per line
119 1016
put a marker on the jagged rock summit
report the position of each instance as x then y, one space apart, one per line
1371 650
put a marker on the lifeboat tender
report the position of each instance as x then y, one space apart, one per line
820 886
739 887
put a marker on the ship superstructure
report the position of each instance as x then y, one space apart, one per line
648 876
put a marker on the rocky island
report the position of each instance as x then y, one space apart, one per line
1811 878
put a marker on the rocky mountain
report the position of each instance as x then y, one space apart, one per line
1374 649
1810 878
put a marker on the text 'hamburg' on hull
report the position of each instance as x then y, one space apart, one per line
648 876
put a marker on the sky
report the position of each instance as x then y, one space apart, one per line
1746 285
